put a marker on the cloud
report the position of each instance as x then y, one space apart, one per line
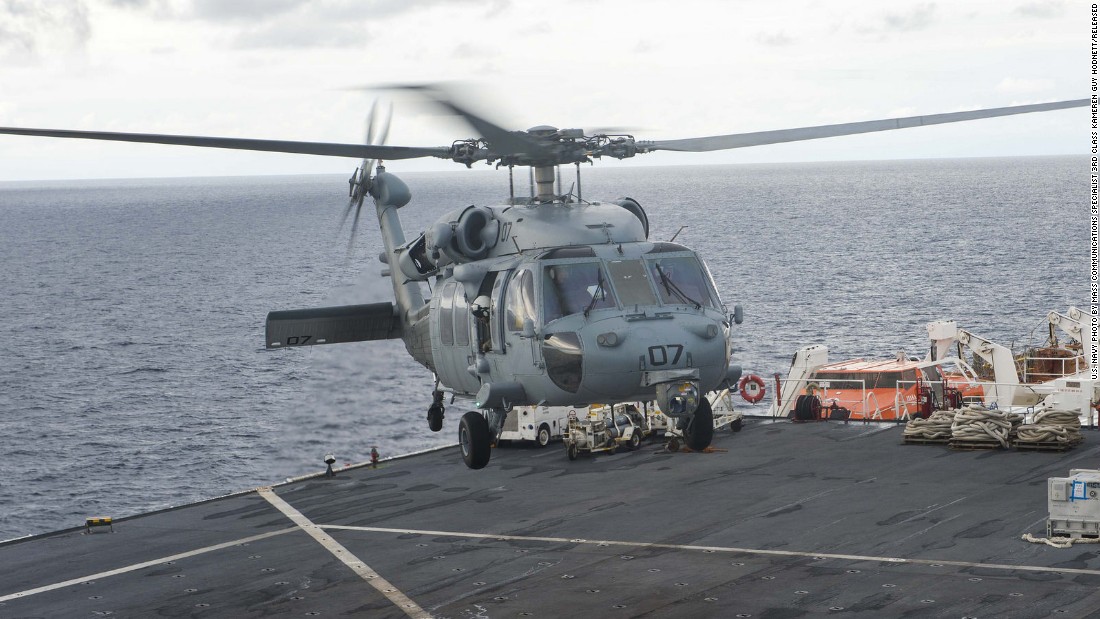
304 24
774 39
1042 8
328 11
245 10
919 17
497 7
31 29
1016 85
471 51
130 4
290 33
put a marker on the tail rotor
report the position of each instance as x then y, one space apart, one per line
378 129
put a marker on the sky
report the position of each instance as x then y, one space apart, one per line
310 69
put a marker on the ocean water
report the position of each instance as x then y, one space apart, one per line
134 376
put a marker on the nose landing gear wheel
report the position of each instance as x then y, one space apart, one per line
474 440
700 430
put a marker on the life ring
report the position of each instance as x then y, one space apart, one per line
752 388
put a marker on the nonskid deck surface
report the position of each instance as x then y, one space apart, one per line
792 520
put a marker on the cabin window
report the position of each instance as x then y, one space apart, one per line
446 309
631 282
496 333
871 380
462 318
520 300
681 281
573 288
890 380
846 380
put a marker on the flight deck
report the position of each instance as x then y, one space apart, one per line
780 520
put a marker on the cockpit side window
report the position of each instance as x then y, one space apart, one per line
574 288
520 302
681 281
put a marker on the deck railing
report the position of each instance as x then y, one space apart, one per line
905 401
858 409
1079 365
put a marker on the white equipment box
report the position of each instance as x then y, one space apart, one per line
1074 504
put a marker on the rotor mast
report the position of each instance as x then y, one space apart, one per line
544 183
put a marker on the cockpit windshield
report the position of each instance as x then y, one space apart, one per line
681 281
575 288
629 277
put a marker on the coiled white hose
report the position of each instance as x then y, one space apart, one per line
1052 427
936 427
976 423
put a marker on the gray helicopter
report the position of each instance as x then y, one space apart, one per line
549 298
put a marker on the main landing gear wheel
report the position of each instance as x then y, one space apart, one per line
474 440
543 438
700 430
435 417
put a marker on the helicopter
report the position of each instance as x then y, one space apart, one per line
547 299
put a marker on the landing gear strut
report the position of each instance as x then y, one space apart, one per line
435 412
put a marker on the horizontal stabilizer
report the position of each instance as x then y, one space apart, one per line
332 325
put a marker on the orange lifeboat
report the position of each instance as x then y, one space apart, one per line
888 390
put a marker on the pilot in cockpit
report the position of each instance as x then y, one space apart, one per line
570 290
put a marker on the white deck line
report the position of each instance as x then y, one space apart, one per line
751 551
143 565
402 601
237 493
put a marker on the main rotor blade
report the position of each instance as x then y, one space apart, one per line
378 131
759 138
358 151
503 141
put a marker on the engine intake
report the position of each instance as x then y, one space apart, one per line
458 237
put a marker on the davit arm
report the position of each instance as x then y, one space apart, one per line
1004 366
